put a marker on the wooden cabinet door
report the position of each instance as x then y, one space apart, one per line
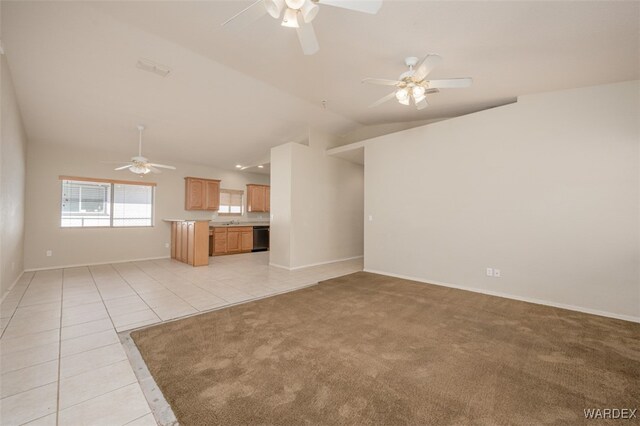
178 233
184 241
267 199
200 243
246 238
191 237
212 189
255 198
195 194
219 241
174 226
233 241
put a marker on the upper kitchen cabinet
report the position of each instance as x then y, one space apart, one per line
201 194
258 198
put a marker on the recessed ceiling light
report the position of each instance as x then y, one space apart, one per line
261 166
238 166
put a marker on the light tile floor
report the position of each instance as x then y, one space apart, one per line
61 360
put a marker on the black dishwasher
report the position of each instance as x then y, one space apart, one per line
260 238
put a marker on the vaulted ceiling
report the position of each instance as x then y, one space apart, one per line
232 94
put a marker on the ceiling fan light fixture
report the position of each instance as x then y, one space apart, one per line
139 170
402 95
290 18
309 11
418 92
404 101
274 7
296 4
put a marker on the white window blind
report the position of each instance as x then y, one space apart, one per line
88 203
132 205
85 204
230 202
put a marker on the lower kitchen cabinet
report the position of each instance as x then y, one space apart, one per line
232 240
190 242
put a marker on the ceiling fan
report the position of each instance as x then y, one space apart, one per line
298 14
139 164
412 85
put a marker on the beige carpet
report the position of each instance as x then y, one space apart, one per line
369 349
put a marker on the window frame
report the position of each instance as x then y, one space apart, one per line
112 183
231 192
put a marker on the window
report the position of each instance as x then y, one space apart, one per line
105 203
230 202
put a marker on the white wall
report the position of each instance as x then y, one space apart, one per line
12 183
317 206
73 246
547 190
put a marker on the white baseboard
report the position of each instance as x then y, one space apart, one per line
12 286
295 268
513 297
78 265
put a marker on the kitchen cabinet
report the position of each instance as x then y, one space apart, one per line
201 194
190 241
258 198
232 240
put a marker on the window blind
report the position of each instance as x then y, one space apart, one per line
132 205
101 202
230 202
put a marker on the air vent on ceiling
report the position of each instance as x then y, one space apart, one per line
148 65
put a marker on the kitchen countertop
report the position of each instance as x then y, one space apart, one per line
222 225
213 224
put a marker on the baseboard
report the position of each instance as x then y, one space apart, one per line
315 264
6 293
630 318
49 268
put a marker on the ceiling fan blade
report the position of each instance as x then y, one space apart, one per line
116 162
383 100
366 6
425 66
123 167
381 81
450 83
422 104
162 166
154 170
307 37
248 15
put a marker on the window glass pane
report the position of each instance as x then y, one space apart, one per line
230 202
85 204
132 205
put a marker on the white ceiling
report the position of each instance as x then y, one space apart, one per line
232 95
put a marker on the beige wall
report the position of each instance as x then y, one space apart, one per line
12 183
75 246
546 190
320 216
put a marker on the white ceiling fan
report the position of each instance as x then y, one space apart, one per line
298 14
139 164
412 85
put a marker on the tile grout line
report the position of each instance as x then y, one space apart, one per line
16 309
95 284
155 280
59 349
136 292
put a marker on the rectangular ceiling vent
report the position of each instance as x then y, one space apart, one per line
148 65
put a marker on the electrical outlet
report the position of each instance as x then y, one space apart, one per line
49 253
496 273
166 245
370 218
489 272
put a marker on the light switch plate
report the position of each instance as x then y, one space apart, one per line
489 272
